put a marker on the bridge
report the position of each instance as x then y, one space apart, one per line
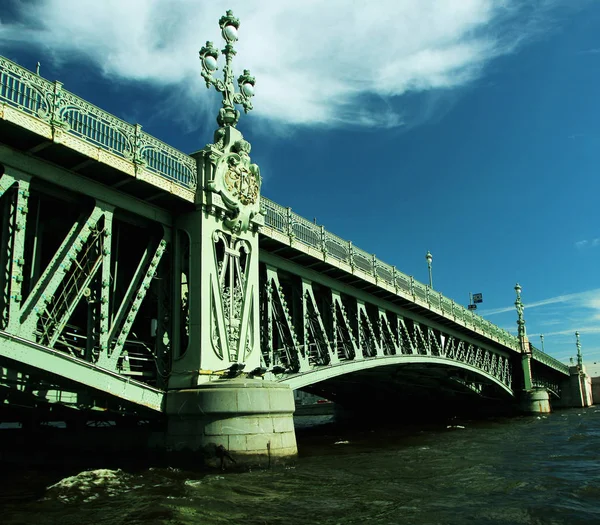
139 281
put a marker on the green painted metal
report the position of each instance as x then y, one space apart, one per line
228 115
25 165
224 324
62 365
299 233
525 347
522 333
579 356
94 255
541 357
15 225
472 362
130 306
356 338
42 302
47 102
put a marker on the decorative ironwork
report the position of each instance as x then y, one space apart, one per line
548 360
520 308
228 115
359 332
48 103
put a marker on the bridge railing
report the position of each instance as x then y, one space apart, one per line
49 103
548 360
299 229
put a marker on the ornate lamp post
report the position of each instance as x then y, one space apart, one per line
228 115
579 356
520 308
542 340
429 258
523 341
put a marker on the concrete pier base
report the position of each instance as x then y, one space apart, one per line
241 421
536 401
576 390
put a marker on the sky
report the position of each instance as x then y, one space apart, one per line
469 128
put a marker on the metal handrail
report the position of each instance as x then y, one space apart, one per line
62 110
279 218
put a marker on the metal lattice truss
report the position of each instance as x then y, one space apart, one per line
79 277
552 385
305 331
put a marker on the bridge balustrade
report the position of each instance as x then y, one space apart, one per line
285 221
67 113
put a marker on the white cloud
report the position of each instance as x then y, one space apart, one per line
316 61
586 299
592 243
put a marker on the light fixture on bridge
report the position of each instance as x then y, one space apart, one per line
520 319
209 55
429 258
228 115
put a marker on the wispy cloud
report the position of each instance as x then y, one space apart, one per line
583 298
564 314
317 62
585 243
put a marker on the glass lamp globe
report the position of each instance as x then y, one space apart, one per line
248 89
210 63
230 33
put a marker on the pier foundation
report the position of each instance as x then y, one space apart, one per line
241 421
576 390
536 401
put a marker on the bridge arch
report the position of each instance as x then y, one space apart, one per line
317 375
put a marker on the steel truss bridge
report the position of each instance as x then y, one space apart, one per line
95 303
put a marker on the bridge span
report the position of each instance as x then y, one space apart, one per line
139 281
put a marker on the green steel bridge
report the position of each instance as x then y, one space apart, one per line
131 270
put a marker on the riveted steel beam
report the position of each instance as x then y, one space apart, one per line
62 365
130 306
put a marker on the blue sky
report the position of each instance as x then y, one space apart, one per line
469 128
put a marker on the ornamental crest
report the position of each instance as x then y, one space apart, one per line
238 182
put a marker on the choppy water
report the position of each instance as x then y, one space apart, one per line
527 470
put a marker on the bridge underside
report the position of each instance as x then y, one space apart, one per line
417 389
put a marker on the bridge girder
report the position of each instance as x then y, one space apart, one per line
315 331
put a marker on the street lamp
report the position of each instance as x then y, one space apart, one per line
579 356
520 319
429 258
228 115
542 340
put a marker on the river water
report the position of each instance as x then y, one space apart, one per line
523 470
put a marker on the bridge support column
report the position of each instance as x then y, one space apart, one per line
536 401
576 390
246 421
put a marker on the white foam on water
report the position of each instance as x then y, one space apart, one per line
89 484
